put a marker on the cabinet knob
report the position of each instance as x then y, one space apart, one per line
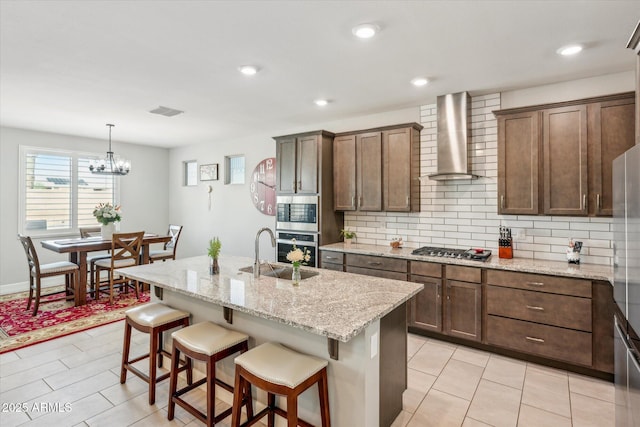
598 201
502 201
535 307
407 201
540 340
353 201
584 202
535 283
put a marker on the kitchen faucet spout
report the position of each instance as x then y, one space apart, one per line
256 262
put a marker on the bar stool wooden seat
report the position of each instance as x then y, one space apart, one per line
279 370
209 343
153 319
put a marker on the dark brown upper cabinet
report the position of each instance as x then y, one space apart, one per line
377 169
564 148
518 163
298 161
556 159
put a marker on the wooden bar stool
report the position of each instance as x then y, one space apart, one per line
279 370
153 319
209 343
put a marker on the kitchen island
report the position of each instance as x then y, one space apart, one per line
356 322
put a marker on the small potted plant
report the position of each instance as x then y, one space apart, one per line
348 236
214 253
107 215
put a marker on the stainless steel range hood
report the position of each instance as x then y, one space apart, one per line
454 122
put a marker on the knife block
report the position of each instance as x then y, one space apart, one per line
505 248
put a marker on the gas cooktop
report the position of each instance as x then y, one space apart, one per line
472 254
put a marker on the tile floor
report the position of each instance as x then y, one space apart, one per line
449 385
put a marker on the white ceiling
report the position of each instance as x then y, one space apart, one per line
72 66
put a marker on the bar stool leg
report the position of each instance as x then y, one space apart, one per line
153 357
239 384
173 381
211 392
125 352
271 403
323 391
292 410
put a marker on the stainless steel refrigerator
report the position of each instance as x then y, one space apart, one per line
626 292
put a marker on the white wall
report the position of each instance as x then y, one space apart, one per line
143 194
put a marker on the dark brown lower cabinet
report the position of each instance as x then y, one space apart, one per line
425 309
562 321
463 310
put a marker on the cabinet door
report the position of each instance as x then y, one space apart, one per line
611 133
307 165
396 152
344 173
426 306
518 164
564 145
463 310
369 171
286 165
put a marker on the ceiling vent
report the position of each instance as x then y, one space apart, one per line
166 111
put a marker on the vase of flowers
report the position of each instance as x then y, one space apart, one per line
297 257
107 215
214 253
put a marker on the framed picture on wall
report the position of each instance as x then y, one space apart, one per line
209 172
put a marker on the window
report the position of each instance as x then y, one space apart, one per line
58 192
190 172
234 169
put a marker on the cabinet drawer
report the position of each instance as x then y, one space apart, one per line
331 266
429 269
377 273
537 282
542 340
557 310
331 258
464 274
378 263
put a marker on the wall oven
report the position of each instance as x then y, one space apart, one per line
285 241
297 213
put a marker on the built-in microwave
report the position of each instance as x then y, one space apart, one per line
297 213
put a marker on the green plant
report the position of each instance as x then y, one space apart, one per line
214 248
347 234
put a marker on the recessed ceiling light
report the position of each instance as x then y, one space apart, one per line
248 70
569 50
321 102
419 81
365 31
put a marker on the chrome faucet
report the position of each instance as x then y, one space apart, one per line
256 262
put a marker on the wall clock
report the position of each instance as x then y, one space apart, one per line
263 186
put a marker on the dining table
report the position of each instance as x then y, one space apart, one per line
78 248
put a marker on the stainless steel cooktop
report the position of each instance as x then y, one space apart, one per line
471 254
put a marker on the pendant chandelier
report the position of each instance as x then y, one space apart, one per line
111 164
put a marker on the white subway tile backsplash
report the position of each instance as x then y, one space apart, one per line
464 213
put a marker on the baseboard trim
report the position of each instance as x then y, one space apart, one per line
13 288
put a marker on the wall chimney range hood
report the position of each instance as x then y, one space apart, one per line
454 123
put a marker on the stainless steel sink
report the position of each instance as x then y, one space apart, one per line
279 271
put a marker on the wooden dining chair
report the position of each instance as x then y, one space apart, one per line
37 272
85 233
169 250
125 252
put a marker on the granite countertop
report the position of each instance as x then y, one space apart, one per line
525 265
333 304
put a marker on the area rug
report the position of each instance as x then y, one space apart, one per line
56 319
